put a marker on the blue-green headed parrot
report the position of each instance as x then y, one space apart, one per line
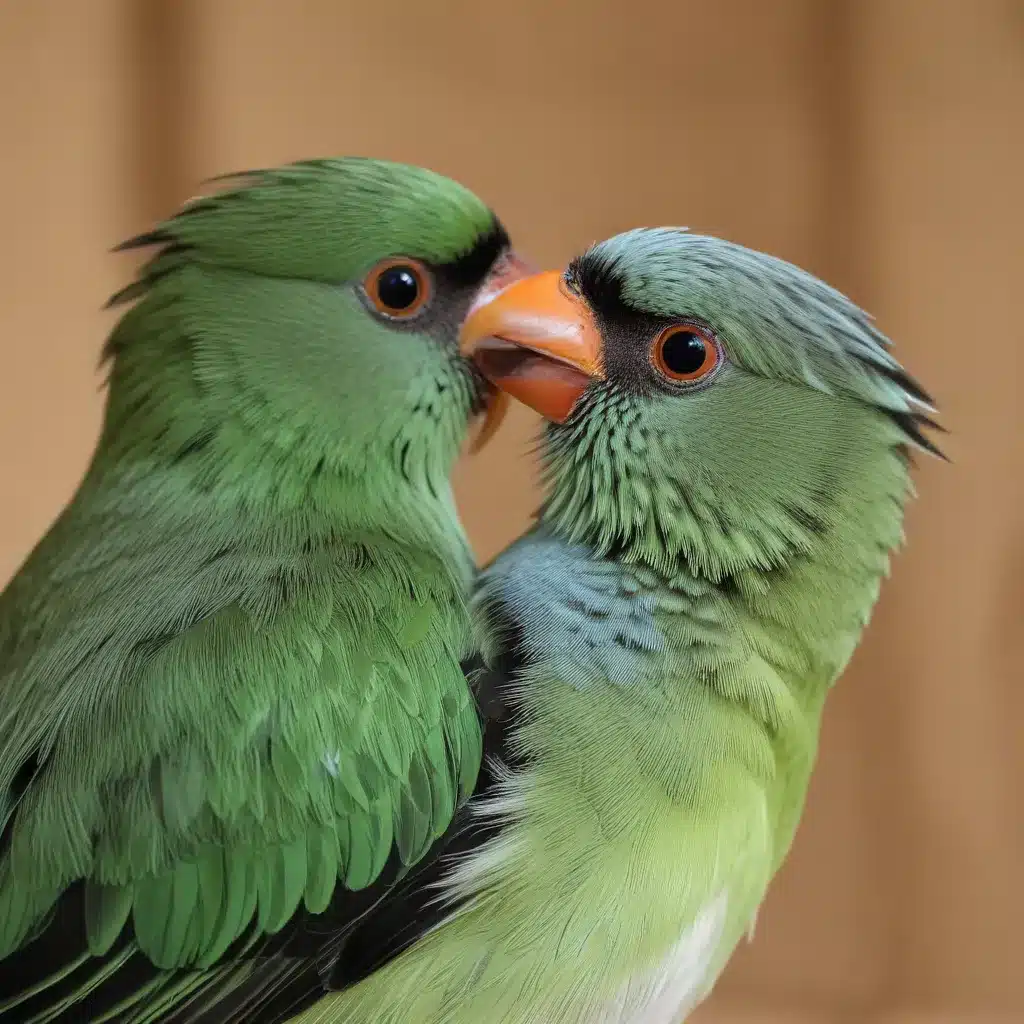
726 455
232 709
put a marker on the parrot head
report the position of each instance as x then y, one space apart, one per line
310 314
705 401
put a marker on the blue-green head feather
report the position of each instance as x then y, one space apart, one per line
800 422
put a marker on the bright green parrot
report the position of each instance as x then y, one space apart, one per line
232 712
727 464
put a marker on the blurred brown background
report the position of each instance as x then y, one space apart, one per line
880 143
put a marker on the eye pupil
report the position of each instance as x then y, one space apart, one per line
398 287
684 352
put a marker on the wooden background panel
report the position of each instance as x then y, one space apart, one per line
943 211
875 143
66 185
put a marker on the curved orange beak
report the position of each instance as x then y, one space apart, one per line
537 342
506 271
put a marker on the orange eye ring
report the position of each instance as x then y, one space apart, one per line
398 287
686 353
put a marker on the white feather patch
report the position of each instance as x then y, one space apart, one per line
665 993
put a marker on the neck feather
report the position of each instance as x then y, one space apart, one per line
795 617
174 460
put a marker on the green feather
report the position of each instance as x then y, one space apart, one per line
250 894
291 775
106 911
211 896
417 625
281 885
161 910
381 828
360 850
348 789
237 881
412 829
321 868
442 791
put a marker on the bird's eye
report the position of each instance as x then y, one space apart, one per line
686 353
398 288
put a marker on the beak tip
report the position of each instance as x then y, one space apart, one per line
494 416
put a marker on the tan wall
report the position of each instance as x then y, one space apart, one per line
878 142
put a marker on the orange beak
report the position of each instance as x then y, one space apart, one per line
506 271
537 342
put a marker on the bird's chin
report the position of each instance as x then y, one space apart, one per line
547 385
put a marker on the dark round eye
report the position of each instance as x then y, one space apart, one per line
685 353
398 288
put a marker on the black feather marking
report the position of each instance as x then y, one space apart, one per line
471 267
906 455
129 293
629 643
239 176
158 236
151 273
196 445
403 460
902 380
805 518
599 280
912 424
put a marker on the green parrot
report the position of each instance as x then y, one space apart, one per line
232 708
726 461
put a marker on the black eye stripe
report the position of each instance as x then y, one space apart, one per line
471 267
